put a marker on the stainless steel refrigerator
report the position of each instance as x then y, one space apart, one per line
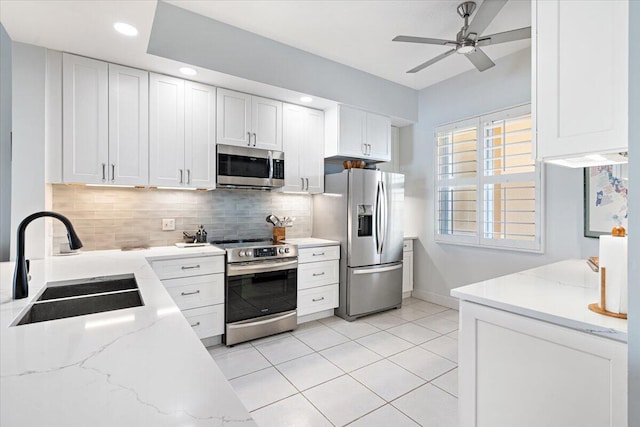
363 209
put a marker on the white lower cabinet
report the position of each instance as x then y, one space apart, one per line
519 371
196 284
407 267
318 279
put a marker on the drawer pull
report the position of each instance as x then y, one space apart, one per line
317 299
190 267
184 294
318 274
320 254
195 324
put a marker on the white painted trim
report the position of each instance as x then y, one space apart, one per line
315 316
443 300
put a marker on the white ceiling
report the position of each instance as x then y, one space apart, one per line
354 33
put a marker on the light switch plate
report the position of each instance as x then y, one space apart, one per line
168 224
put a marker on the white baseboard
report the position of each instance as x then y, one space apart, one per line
211 341
406 294
315 316
443 300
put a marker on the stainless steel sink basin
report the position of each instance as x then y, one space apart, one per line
81 297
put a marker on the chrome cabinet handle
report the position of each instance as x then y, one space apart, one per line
180 175
248 139
190 267
307 179
317 299
195 324
113 172
104 171
188 176
184 294
255 139
318 274
318 254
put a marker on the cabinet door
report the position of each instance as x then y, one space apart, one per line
266 123
233 118
128 126
311 153
351 135
85 109
200 146
378 137
519 371
581 89
166 131
407 272
293 117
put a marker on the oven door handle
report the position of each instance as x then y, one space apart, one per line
270 319
263 267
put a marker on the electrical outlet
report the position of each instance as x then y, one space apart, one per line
168 224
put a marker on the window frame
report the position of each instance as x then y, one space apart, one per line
479 181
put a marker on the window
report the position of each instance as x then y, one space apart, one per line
487 183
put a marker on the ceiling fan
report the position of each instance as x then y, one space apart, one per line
468 40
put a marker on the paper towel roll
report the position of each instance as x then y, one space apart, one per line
613 258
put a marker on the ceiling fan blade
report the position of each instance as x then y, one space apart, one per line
480 59
507 36
431 61
424 40
484 15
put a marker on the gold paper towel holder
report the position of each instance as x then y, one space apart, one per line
601 308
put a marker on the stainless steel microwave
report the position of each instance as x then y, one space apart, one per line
249 167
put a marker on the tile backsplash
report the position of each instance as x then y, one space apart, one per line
113 218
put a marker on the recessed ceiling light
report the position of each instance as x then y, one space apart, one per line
126 29
188 71
306 99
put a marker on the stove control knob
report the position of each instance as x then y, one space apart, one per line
281 250
248 253
287 250
241 253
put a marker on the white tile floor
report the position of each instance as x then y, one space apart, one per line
397 368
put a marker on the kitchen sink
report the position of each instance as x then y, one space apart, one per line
96 285
82 297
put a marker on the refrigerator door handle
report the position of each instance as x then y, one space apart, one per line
378 218
377 270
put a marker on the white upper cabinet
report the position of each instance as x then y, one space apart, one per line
104 123
182 129
85 132
128 126
353 133
580 86
248 121
303 137
200 144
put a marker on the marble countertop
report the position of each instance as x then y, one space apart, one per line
138 366
311 242
557 293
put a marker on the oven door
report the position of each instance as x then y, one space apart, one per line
261 288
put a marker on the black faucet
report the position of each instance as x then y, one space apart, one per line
21 274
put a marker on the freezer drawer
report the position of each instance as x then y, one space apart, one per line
371 289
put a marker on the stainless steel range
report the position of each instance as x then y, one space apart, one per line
261 288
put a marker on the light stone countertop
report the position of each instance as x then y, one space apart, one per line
311 242
132 367
557 293
410 237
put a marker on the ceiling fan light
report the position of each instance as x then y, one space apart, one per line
466 49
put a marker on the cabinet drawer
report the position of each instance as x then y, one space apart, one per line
315 274
317 299
324 253
187 267
206 321
407 245
198 291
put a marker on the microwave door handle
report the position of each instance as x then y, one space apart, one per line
270 160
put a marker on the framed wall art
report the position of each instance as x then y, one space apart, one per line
606 190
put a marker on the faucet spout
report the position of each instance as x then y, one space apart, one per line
21 273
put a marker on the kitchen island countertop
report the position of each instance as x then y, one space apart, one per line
557 293
142 366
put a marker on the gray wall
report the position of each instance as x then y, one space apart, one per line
195 39
28 165
441 267
634 218
5 144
